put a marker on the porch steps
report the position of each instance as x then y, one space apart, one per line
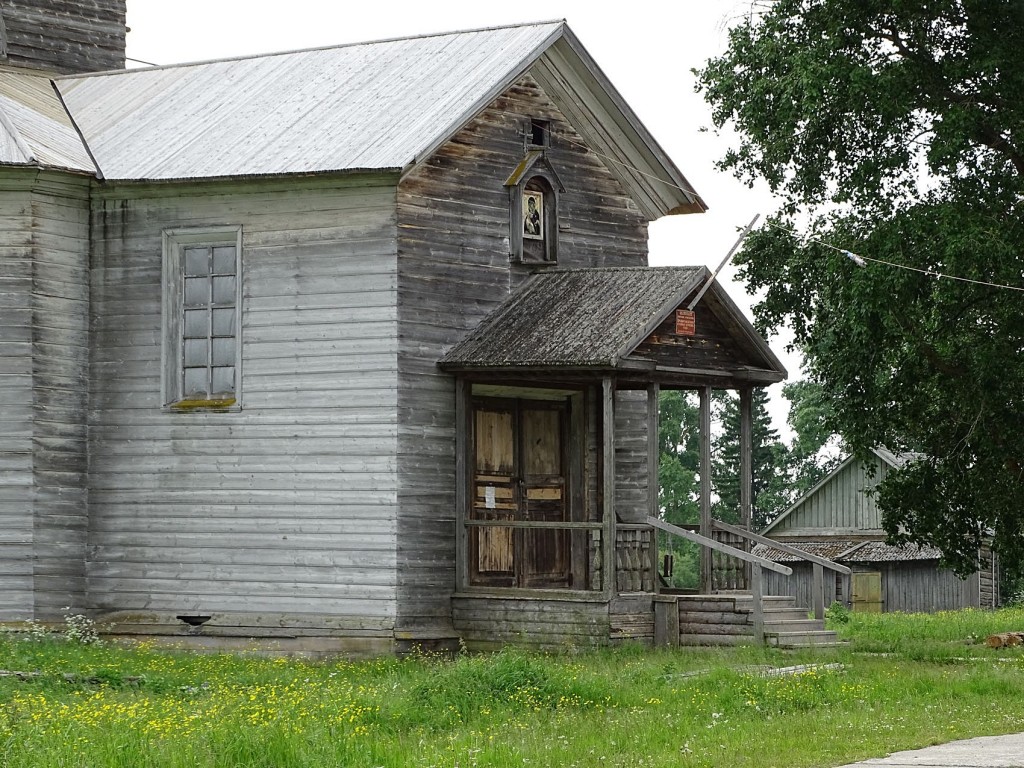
727 619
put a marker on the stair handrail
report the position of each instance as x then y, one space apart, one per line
756 566
818 563
704 541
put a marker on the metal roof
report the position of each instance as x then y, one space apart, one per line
366 107
581 318
34 128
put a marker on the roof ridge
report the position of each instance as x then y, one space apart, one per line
291 52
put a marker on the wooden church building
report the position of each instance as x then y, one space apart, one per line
344 349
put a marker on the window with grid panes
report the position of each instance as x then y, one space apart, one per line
201 313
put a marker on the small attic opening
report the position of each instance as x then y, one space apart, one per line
540 133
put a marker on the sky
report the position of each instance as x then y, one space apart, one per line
647 49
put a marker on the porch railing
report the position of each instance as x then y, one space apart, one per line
818 564
757 565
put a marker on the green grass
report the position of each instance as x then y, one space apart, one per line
905 681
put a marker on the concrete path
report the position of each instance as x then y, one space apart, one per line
982 752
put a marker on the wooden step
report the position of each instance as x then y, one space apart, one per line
822 638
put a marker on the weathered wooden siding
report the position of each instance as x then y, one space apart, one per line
631 473
453 255
799 585
64 35
285 510
923 587
911 586
16 412
44 240
488 623
839 505
60 327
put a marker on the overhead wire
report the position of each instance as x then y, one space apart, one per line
858 259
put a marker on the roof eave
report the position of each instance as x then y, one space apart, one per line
634 156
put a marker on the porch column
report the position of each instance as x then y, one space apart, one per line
653 477
746 457
463 433
608 484
746 472
706 564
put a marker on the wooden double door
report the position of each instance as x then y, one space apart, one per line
519 474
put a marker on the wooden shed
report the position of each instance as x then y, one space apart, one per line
346 349
838 520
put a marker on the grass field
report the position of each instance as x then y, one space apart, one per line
903 682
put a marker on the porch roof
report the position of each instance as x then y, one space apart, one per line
616 319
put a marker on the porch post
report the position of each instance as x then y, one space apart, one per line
653 479
746 456
706 563
746 470
608 485
463 440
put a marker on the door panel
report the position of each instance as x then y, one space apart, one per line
519 474
546 553
494 497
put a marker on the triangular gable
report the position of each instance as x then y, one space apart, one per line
381 106
791 518
598 318
714 335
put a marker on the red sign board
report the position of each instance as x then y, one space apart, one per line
686 323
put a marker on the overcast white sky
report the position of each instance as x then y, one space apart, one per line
646 49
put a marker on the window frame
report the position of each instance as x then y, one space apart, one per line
175 242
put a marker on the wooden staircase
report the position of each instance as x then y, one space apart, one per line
727 619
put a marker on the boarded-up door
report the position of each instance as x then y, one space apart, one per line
519 474
867 592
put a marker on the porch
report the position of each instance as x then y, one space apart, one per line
557 454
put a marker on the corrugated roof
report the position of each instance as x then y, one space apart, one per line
369 106
575 317
34 128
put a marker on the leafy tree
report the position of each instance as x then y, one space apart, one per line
679 457
810 417
679 492
769 463
894 131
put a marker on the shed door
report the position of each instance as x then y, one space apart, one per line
519 474
867 592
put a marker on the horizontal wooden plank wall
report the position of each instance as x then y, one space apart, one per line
16 396
488 623
453 224
65 35
44 241
60 326
287 507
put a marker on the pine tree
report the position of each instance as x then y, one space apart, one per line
769 463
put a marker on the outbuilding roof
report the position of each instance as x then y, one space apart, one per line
850 551
379 106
